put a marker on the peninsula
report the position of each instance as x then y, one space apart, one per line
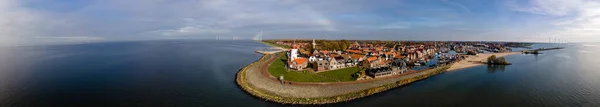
332 71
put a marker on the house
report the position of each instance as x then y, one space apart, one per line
341 62
399 65
312 59
321 65
333 64
377 62
419 54
349 62
379 72
358 57
298 64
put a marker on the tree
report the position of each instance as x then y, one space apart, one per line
356 75
366 64
472 52
497 61
501 61
491 59
335 46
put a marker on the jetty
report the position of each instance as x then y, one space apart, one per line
536 51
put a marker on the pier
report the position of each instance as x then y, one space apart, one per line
536 51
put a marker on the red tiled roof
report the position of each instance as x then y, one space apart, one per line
324 51
353 51
300 61
356 56
371 59
398 56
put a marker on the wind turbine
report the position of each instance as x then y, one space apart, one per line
258 36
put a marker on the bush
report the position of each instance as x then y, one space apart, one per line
492 60
472 52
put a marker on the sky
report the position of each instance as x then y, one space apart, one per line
74 21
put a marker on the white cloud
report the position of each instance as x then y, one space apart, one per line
579 19
219 16
14 21
149 19
73 38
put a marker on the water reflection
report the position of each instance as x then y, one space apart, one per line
496 68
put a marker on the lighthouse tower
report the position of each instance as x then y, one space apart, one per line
293 53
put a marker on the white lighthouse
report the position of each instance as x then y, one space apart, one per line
293 53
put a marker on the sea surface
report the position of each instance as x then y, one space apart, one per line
201 73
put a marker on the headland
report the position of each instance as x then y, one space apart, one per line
257 80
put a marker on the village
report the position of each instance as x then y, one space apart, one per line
362 60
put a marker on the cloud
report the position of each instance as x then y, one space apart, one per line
217 16
549 7
458 5
31 21
154 19
195 27
73 38
579 20
14 21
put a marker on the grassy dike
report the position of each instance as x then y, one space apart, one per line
262 94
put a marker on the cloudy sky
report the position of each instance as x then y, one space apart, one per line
67 21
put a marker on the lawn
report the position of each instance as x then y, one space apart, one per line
344 74
277 45
277 68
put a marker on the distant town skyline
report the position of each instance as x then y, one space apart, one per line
75 21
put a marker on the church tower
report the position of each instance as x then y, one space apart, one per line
314 44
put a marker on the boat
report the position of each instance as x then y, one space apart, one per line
417 64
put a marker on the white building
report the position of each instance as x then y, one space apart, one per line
312 59
293 53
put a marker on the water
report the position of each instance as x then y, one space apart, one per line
568 77
201 73
148 74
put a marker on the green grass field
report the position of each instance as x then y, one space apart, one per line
344 74
278 45
277 68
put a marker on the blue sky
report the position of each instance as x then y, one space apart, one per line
71 21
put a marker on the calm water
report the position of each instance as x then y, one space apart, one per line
201 73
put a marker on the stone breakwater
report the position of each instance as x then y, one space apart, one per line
289 94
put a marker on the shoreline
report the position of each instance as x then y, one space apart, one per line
269 90
252 80
471 60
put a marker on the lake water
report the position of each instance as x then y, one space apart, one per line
202 73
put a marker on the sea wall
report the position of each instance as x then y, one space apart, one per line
242 82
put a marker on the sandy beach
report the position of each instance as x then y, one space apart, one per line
471 61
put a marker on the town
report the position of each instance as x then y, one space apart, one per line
363 60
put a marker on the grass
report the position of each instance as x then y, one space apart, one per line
277 45
344 74
277 68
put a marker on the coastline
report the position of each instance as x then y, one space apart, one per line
250 79
273 91
471 61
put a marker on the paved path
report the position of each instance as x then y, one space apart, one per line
261 79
